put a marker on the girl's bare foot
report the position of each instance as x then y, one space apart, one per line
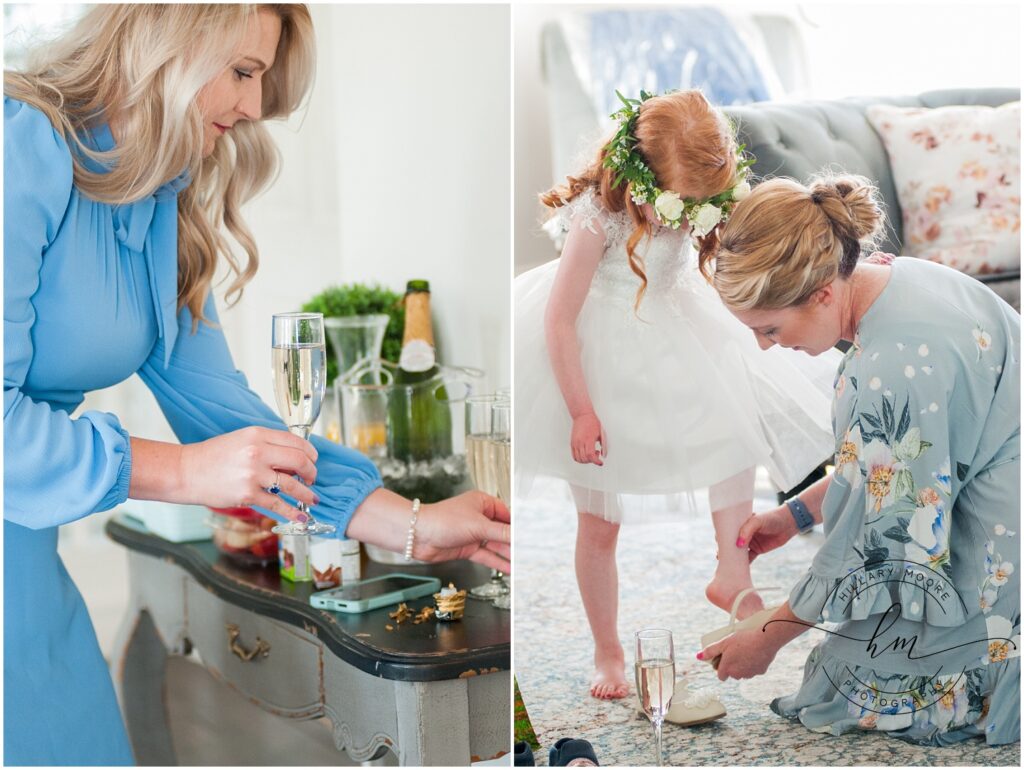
721 592
609 680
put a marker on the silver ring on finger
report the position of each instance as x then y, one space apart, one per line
275 488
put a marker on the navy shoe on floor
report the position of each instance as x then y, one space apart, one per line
523 754
568 749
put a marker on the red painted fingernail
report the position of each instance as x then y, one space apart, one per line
316 500
302 517
700 655
740 542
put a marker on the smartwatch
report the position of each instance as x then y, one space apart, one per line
802 516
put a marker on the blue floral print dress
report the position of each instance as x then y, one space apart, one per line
917 584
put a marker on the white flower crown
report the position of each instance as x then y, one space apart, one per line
701 214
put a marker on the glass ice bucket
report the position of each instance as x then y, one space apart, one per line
413 432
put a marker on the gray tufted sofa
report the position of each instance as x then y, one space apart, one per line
800 138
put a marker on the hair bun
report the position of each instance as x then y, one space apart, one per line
851 202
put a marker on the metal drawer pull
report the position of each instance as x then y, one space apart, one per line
262 648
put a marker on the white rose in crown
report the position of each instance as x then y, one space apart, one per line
668 206
741 191
704 219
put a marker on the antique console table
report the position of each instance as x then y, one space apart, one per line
434 693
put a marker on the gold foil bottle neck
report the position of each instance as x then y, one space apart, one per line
418 339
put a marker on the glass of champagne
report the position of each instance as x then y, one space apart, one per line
299 360
655 677
481 461
501 442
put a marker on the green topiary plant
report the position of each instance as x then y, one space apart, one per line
359 299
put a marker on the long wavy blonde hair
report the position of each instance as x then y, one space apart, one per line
145 65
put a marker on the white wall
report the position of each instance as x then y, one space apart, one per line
905 48
853 49
399 170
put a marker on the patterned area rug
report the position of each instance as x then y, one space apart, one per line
662 571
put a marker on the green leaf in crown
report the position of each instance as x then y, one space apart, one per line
702 215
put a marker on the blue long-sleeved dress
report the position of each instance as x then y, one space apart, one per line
920 568
90 298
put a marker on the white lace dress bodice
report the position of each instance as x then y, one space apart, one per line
669 260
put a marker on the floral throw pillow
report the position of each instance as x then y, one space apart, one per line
957 175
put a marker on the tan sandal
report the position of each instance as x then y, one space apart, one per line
757 620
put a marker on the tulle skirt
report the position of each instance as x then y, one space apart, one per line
687 399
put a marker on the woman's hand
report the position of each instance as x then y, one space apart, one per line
472 526
745 654
766 531
237 468
587 433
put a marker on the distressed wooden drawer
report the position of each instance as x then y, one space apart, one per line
284 672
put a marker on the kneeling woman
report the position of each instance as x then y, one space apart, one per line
919 567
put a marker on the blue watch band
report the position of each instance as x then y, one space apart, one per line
802 516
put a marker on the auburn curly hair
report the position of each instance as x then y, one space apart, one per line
686 142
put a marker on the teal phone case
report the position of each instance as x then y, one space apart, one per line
331 599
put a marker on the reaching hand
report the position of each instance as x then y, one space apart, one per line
767 531
744 654
237 468
472 526
588 442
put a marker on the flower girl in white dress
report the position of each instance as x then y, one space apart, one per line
633 382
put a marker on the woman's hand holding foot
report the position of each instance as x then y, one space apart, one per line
764 532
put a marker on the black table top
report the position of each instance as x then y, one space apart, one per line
430 651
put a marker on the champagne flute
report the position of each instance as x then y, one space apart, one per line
501 443
655 677
299 360
480 458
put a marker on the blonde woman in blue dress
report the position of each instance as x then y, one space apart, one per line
633 383
920 568
130 145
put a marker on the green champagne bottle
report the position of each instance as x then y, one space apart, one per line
421 422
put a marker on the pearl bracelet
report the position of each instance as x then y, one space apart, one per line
411 535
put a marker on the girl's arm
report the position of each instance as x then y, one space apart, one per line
584 247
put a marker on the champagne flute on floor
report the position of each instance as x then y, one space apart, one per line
501 441
299 361
655 677
480 459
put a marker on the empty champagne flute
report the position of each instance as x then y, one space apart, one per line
299 360
481 461
655 677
